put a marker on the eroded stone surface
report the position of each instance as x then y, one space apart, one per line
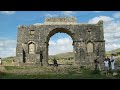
88 40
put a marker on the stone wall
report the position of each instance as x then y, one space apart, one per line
84 37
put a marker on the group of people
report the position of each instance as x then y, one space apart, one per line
108 64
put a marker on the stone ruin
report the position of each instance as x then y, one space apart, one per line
33 41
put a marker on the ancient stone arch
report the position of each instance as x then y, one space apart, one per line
36 37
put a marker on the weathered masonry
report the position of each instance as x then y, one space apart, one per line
33 41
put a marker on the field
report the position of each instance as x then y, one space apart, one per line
50 72
65 70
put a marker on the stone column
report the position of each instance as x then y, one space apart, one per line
45 55
21 56
37 58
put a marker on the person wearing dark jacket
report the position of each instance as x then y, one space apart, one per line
55 62
96 64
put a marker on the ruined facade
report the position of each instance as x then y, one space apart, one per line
33 41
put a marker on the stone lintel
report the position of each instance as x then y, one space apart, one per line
70 19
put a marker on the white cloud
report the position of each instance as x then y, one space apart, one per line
116 15
104 18
7 12
1 44
60 46
37 24
112 27
63 41
112 46
52 43
51 15
116 35
7 48
62 14
111 31
68 13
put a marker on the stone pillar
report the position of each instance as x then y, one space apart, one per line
76 53
37 58
20 56
45 56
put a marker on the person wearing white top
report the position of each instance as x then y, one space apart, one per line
106 64
112 59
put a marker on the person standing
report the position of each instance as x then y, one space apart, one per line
106 66
55 62
55 65
112 60
109 62
96 65
0 61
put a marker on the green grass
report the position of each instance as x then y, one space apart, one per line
49 73
71 73
13 67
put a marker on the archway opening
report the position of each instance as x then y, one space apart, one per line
61 47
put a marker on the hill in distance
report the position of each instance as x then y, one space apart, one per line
115 52
62 55
71 54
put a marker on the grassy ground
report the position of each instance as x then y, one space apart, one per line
9 71
62 61
16 72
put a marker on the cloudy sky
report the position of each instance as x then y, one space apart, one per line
60 42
